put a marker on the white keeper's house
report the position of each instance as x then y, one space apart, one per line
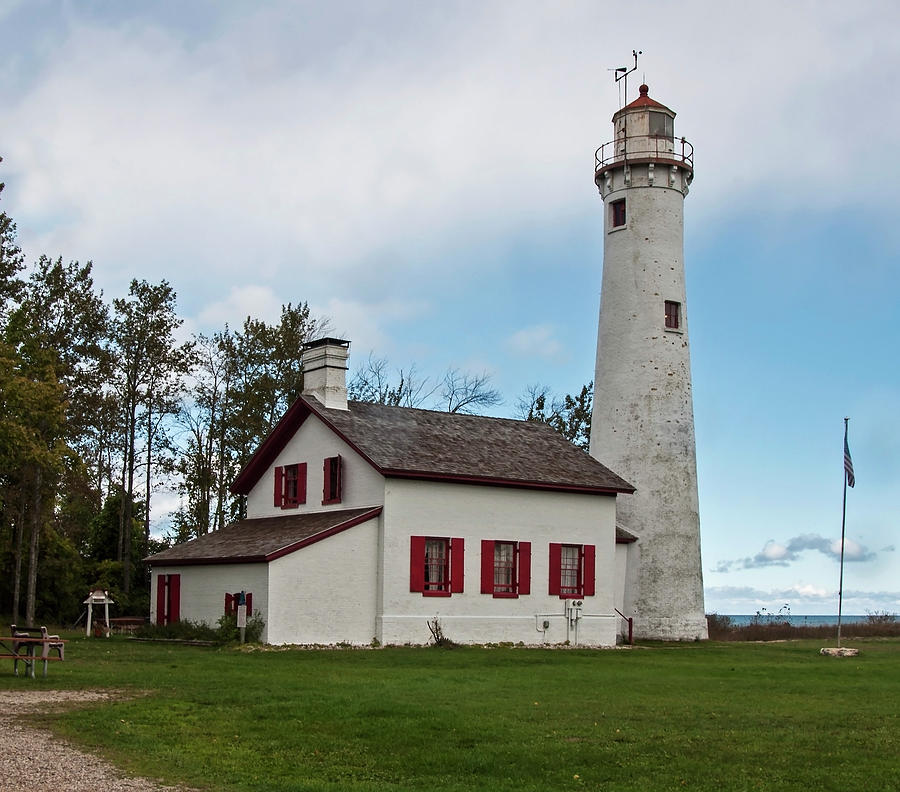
364 522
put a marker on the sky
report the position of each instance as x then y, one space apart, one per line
422 175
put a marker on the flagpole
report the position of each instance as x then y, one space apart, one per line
843 526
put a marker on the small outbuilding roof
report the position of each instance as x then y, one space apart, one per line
262 539
404 442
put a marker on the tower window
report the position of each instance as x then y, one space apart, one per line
662 125
673 315
617 213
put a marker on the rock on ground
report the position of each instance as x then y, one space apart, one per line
842 651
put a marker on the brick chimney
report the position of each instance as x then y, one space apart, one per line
325 371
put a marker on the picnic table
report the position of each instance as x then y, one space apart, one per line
24 641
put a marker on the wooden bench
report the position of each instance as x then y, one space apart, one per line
127 624
27 639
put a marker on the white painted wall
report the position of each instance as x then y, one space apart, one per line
203 589
326 593
313 443
643 422
483 512
632 129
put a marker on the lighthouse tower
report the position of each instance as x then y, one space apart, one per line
643 420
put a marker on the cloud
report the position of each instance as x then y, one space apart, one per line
300 168
799 597
808 592
308 146
259 302
777 554
536 341
364 323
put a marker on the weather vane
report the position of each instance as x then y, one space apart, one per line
622 72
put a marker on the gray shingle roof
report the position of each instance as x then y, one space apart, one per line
430 444
263 538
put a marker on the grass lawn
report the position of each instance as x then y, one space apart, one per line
710 716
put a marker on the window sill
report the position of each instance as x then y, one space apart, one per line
330 502
506 595
676 330
617 228
435 593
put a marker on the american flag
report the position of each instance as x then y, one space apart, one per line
848 463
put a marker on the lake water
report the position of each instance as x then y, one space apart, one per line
797 621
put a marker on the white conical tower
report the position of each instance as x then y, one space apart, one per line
643 420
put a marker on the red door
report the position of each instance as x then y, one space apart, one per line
168 598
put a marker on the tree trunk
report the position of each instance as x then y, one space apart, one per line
147 478
126 512
120 548
34 546
128 495
20 542
220 478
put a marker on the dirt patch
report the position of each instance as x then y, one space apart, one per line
33 758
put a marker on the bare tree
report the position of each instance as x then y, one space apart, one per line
538 403
455 392
374 382
462 392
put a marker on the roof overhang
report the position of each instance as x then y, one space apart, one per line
499 482
262 558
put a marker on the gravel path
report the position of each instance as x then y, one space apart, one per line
34 759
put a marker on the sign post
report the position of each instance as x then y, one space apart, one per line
242 614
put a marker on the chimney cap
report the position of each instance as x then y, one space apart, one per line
327 341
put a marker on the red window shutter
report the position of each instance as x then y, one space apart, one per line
249 605
331 471
279 492
229 603
174 598
301 482
417 563
590 557
524 568
160 599
555 565
457 565
487 566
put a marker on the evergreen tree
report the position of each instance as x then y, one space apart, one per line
32 421
12 261
569 415
148 372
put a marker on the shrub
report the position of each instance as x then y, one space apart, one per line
229 631
720 627
186 630
775 627
437 634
